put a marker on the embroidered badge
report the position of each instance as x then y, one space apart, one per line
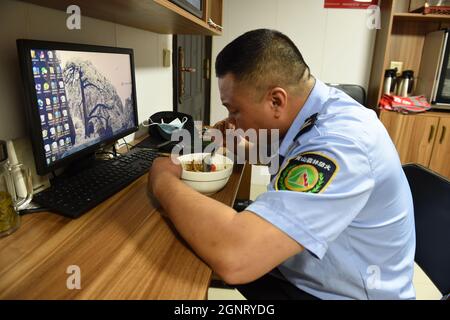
308 172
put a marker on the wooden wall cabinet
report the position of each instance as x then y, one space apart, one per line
421 138
440 161
401 38
160 16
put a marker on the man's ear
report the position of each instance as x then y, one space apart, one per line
278 99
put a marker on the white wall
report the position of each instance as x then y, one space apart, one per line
23 20
336 43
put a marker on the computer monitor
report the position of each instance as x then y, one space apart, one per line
79 98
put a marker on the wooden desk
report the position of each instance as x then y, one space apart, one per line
124 247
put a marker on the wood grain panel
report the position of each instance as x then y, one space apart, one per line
440 161
393 124
124 248
419 17
161 16
216 11
417 138
407 43
382 43
413 135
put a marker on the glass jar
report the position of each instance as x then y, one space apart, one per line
16 192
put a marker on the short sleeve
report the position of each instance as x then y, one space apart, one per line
320 189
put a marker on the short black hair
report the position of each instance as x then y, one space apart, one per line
263 58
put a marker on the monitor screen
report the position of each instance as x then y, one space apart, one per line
80 97
193 6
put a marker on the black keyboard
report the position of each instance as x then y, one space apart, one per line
71 197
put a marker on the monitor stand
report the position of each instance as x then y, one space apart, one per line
86 162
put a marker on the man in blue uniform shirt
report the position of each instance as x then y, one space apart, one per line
337 220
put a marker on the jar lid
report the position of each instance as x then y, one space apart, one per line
408 73
390 73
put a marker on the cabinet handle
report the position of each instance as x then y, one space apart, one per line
444 130
431 134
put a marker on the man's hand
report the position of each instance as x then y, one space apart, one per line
162 169
223 126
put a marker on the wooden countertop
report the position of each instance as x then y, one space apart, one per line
124 248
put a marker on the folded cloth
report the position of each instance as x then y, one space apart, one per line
404 105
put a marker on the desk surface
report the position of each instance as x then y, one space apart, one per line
124 248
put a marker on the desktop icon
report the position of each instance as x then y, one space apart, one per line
61 85
35 70
44 70
54 85
50 55
47 101
44 133
49 161
46 86
64 113
47 147
50 116
33 54
52 70
38 87
52 131
40 103
42 55
55 100
42 118
54 146
66 126
61 142
63 99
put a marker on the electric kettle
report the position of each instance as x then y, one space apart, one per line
406 83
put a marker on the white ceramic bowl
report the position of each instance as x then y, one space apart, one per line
207 182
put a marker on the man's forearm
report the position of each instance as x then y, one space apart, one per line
240 247
204 223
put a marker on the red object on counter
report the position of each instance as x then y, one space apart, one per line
349 4
404 105
436 10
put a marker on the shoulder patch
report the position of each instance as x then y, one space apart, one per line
309 172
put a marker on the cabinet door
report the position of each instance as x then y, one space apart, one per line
413 135
440 161
393 124
415 144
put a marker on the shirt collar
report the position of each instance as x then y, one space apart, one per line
319 94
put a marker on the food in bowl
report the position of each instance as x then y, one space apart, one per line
205 182
197 166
